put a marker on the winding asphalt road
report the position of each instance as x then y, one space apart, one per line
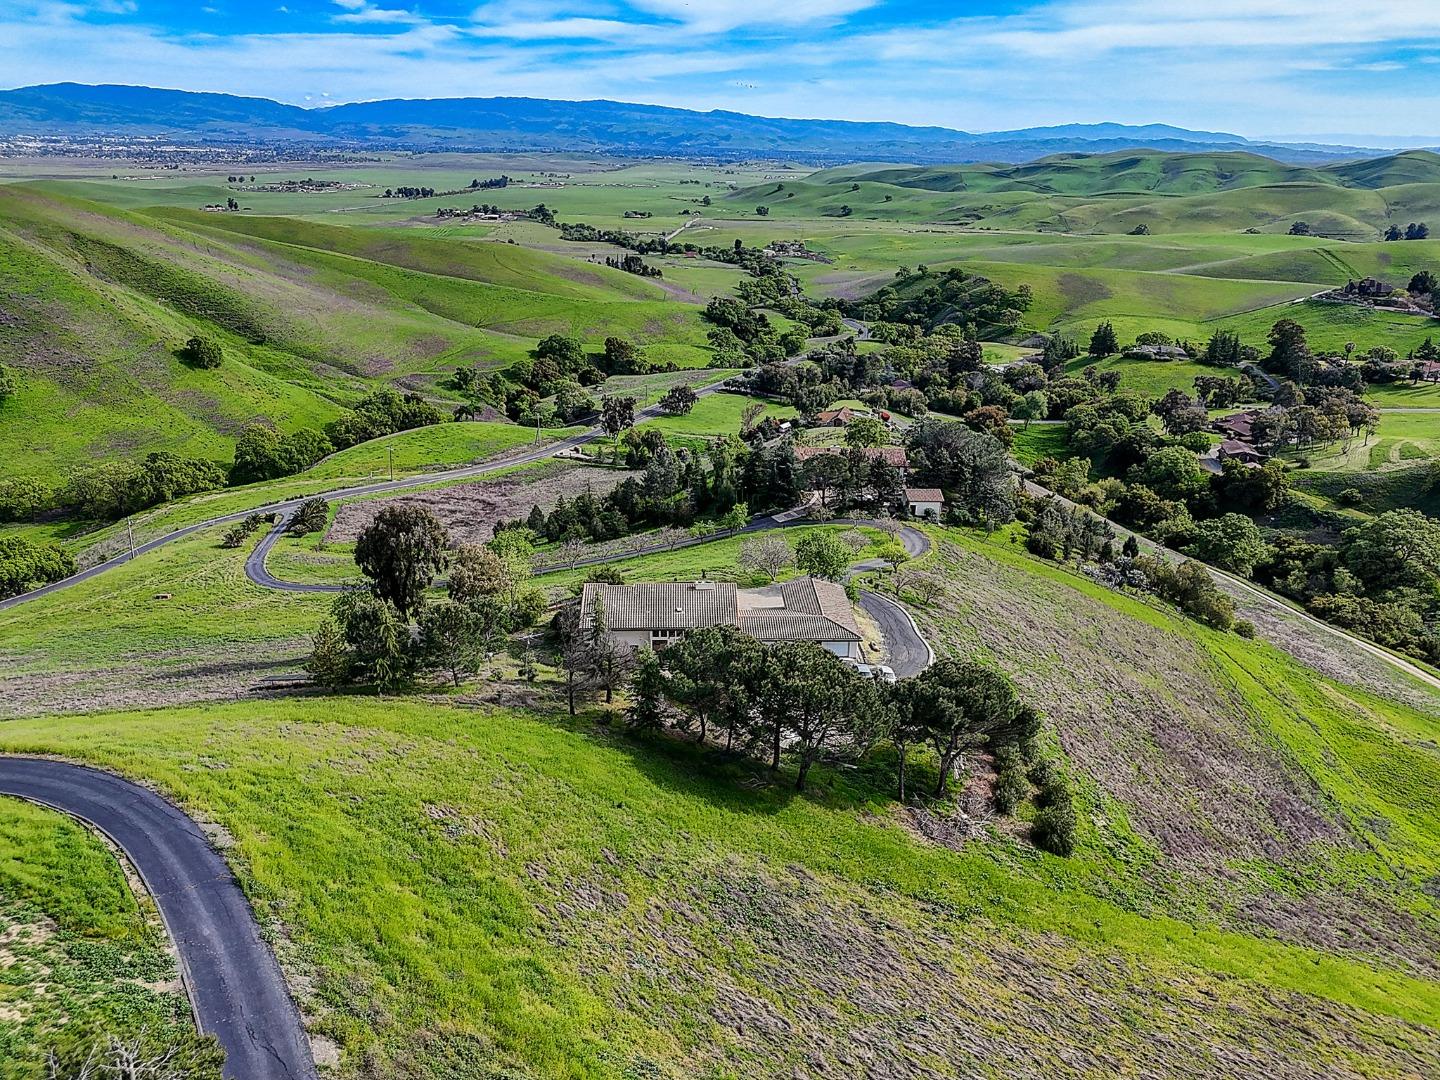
230 974
909 652
288 506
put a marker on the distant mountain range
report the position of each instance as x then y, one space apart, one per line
521 124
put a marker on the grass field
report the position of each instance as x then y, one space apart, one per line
452 885
1038 441
715 415
78 948
1402 439
423 449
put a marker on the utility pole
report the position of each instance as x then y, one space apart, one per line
392 463
130 528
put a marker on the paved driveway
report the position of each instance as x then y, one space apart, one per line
230 974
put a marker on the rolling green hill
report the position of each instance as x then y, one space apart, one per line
1251 833
98 302
1107 193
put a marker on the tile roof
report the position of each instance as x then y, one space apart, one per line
661 605
1240 423
805 609
924 495
1233 447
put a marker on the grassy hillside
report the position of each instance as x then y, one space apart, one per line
1115 193
461 888
101 301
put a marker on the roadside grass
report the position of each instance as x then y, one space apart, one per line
78 948
119 618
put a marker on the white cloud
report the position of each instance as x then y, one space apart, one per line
362 11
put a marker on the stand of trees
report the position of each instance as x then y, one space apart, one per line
676 487
25 565
389 633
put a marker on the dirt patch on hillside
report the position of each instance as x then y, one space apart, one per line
146 682
469 511
1139 708
762 971
1144 713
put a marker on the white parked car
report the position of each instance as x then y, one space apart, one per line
881 672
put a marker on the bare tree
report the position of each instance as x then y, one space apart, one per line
750 415
855 540
572 551
928 587
576 656
768 555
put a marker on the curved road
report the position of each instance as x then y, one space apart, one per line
289 506
909 652
230 974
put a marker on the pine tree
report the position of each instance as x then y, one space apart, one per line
330 661
647 693
1104 342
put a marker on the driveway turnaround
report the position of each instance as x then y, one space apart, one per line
235 986
909 653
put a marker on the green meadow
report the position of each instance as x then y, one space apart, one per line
574 901
465 883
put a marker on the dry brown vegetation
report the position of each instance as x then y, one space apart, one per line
470 511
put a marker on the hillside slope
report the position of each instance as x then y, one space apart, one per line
97 303
466 888
1110 193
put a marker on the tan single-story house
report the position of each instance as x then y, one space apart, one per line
654 614
925 502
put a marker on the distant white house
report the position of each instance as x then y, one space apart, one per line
925 502
654 614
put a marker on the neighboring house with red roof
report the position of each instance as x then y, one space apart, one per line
834 417
1237 425
925 502
1234 450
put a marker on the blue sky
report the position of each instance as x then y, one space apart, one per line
1256 67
